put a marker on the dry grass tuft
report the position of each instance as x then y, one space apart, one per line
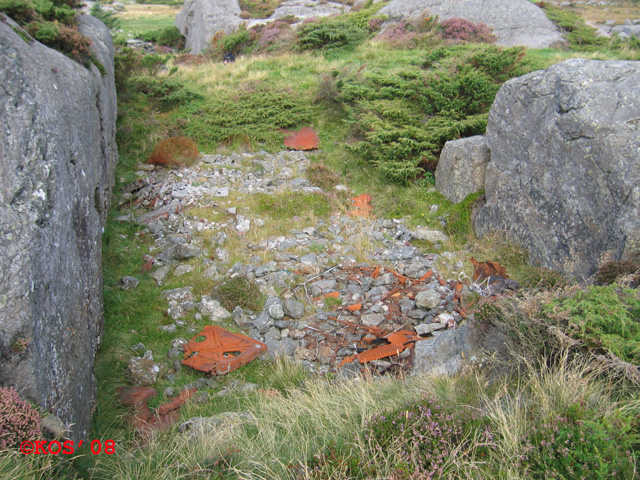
174 152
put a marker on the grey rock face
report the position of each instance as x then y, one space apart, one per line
58 151
446 352
514 22
199 20
626 30
461 167
564 175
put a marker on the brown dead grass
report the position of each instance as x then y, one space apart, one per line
174 152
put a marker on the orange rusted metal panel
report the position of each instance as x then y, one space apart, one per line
221 351
305 139
363 206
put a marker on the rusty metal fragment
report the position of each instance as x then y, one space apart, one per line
305 139
363 206
220 351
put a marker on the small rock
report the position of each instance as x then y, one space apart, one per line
143 371
427 299
433 236
276 311
169 328
53 426
372 319
169 392
293 308
183 269
212 309
426 328
178 294
243 225
127 283
160 275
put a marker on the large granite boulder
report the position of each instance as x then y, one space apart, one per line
200 20
461 167
514 22
564 174
58 151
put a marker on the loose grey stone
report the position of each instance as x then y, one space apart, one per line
427 328
427 299
160 275
178 294
372 319
127 283
183 269
293 308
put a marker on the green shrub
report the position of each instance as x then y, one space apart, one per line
167 37
22 11
126 61
604 317
44 32
166 93
578 33
330 33
401 119
108 18
580 444
255 114
234 42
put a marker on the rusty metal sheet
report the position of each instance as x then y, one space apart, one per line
305 139
221 351
363 206
398 342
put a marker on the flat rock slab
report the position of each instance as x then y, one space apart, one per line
514 22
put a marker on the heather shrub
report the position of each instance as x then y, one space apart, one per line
19 421
173 152
22 11
464 30
238 292
398 35
580 444
274 36
322 176
610 271
429 437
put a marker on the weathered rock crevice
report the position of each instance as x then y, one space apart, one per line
57 142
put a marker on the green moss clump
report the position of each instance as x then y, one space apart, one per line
604 317
238 292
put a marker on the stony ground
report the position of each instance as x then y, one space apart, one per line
335 285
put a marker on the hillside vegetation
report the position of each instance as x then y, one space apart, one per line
556 401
